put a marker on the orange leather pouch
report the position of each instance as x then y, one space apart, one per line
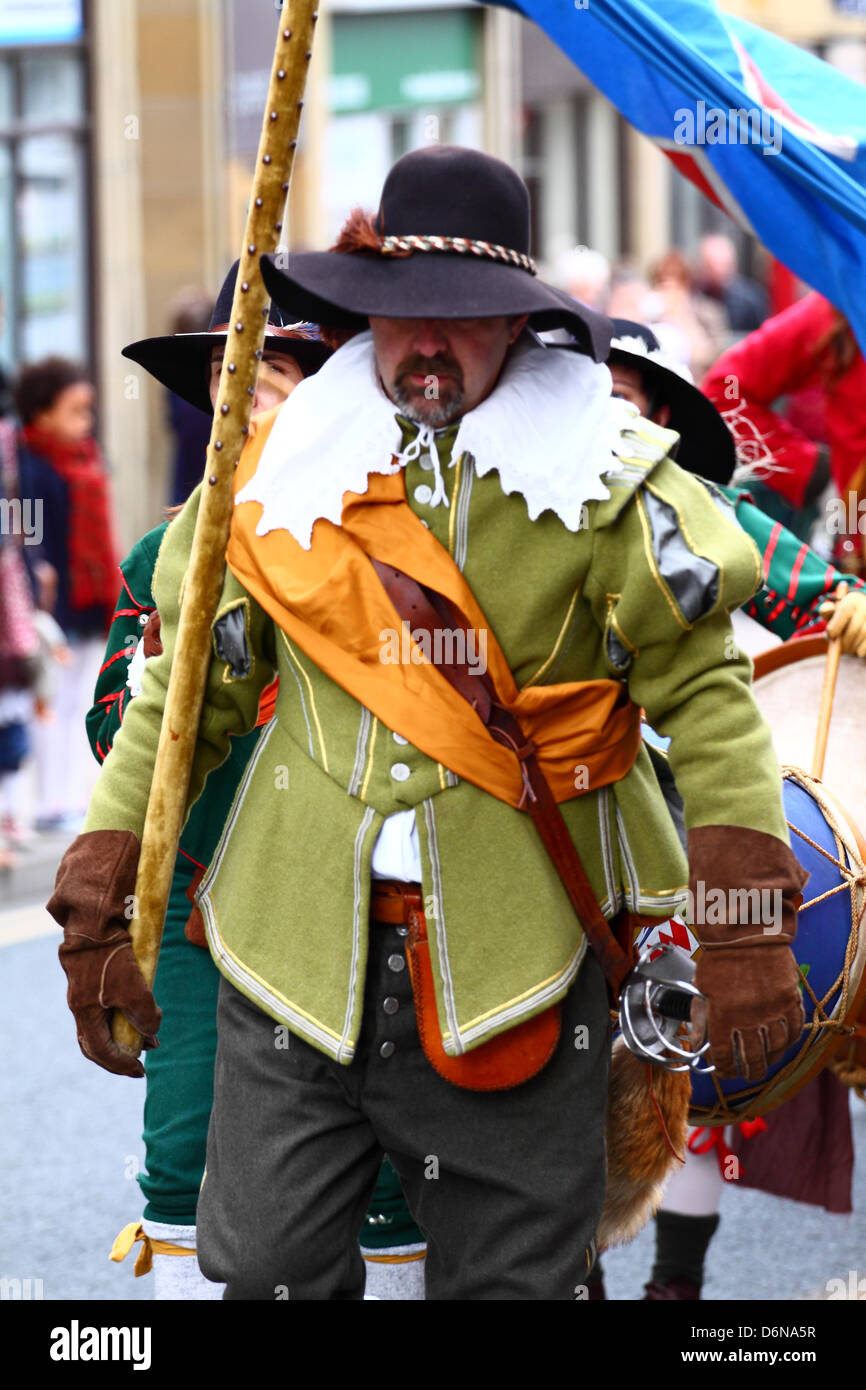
506 1061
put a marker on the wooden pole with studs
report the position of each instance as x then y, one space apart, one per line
204 578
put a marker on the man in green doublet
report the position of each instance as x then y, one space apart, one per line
499 474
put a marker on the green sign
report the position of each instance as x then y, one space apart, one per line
398 61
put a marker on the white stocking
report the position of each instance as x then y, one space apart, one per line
178 1276
397 1274
696 1188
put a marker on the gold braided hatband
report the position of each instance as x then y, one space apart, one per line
405 245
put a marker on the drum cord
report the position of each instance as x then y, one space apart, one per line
820 1024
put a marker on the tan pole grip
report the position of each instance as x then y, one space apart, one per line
204 578
828 690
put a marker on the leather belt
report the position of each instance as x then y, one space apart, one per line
395 903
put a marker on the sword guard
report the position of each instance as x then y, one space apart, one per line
655 1003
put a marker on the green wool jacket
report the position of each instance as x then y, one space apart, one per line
112 701
640 593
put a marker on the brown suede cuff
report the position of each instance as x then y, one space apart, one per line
745 886
95 884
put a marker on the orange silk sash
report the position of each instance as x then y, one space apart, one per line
329 600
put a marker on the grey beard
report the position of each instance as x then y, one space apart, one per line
438 412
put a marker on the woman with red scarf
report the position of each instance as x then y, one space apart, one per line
65 480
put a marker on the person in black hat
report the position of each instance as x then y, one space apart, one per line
179 1073
402 966
797 589
472 261
663 391
189 364
188 360
797 583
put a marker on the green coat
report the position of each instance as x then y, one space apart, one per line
641 593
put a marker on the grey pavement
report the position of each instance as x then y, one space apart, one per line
766 1248
31 879
71 1135
70 1141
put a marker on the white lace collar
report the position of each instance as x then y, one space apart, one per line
549 429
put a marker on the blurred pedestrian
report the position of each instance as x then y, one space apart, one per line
7 405
64 481
700 321
630 295
745 301
29 639
585 275
18 641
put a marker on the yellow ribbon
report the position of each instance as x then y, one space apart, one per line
395 1259
144 1261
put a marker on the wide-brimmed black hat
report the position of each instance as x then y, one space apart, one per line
450 241
181 361
706 444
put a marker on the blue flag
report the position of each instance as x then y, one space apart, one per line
770 133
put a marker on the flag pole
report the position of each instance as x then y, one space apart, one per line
244 339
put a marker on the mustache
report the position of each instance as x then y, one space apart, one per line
430 366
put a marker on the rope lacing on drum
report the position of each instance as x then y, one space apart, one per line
854 879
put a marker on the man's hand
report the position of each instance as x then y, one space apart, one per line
848 623
749 885
754 1009
103 976
93 901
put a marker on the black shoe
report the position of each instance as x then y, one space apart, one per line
678 1288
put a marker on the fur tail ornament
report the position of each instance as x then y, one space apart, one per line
647 1120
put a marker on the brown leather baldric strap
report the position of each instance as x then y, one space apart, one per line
426 611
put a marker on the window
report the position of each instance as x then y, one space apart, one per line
44 291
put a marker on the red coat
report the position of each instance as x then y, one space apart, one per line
778 359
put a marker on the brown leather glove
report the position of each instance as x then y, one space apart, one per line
91 901
745 888
151 635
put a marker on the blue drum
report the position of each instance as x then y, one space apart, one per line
829 947
830 950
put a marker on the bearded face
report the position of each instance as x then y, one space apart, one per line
436 370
